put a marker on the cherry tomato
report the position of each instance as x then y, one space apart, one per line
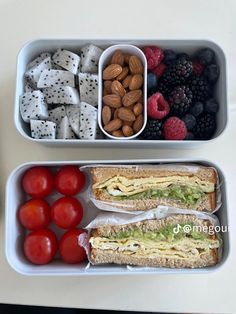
67 212
70 250
38 182
40 246
35 214
69 180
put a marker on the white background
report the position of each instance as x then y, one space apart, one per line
23 20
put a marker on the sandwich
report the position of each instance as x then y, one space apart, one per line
157 243
143 188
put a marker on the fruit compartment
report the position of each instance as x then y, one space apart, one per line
34 48
15 232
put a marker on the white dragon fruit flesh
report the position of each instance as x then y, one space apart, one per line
61 95
33 106
39 59
88 121
43 129
33 74
88 86
56 78
90 55
73 114
67 60
57 114
64 130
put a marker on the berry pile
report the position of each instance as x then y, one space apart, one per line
181 104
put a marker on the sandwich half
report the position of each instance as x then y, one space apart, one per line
157 243
147 187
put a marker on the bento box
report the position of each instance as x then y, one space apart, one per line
15 232
34 48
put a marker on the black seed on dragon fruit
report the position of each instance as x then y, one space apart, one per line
43 129
88 86
61 95
64 130
88 122
57 114
33 74
73 114
33 106
67 60
56 78
90 55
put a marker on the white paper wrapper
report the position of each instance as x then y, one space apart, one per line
128 208
157 213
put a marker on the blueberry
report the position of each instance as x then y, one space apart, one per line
211 73
197 109
189 136
151 82
169 56
190 121
183 56
211 106
206 56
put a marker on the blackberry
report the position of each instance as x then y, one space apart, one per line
183 56
153 130
178 72
200 88
205 127
164 89
180 100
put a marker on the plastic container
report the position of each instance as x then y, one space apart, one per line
35 47
106 55
15 233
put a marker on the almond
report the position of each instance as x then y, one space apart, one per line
118 58
116 113
129 123
117 133
126 114
106 114
126 81
112 100
107 86
127 57
112 71
136 82
117 88
127 130
138 124
113 125
138 109
123 74
131 97
135 65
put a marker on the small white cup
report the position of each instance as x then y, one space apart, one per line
103 61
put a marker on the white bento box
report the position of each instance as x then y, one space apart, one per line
15 233
35 47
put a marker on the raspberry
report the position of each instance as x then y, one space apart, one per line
157 106
154 56
174 129
197 67
159 70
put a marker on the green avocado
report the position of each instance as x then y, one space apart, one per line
188 195
167 233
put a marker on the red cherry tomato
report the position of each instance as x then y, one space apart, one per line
69 180
35 214
40 246
70 250
67 212
38 182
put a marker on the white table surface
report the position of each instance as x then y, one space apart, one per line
21 21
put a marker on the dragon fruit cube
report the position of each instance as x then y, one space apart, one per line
43 129
64 130
55 78
32 74
67 60
88 86
33 106
90 55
